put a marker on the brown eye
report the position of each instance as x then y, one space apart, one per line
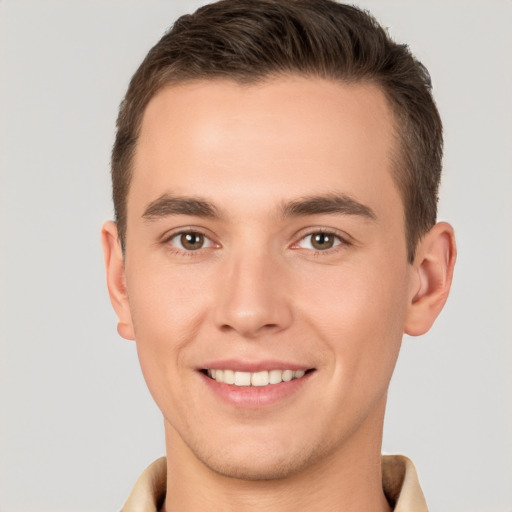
320 241
192 241
188 241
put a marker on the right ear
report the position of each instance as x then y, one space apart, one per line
116 280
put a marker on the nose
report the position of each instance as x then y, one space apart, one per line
253 299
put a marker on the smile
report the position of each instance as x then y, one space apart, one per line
258 379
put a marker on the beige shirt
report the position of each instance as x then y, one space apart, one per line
399 481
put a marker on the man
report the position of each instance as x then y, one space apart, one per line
275 177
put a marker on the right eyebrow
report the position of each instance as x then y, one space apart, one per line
168 205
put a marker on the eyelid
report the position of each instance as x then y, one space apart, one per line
183 230
344 238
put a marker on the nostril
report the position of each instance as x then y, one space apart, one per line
249 329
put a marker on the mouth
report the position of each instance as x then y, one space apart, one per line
254 379
255 384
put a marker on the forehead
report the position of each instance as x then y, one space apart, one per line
284 136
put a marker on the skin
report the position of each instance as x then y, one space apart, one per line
258 289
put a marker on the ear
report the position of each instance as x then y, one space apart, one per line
433 271
116 282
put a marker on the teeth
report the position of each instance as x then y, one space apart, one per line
242 379
229 377
258 379
287 375
275 376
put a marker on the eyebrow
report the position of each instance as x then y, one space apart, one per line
327 204
168 205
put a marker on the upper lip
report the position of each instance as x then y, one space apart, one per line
238 365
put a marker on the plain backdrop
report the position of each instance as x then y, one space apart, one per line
77 424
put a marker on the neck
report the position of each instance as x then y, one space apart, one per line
349 479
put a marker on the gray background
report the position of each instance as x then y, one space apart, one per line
77 424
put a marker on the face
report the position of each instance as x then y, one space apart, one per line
265 242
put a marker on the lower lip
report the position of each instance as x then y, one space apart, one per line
255 396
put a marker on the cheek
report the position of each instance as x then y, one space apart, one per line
359 314
166 302
167 310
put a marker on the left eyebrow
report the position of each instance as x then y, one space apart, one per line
327 204
168 205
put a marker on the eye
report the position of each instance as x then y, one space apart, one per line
320 241
190 241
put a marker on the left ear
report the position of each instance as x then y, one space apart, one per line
433 268
116 281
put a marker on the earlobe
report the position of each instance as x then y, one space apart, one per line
433 268
114 266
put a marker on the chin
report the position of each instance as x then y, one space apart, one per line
252 463
255 470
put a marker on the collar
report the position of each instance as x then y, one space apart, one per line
399 481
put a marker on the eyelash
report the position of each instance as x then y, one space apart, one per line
182 251
342 242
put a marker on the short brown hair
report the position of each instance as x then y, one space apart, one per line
250 40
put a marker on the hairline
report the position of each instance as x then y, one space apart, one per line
397 153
